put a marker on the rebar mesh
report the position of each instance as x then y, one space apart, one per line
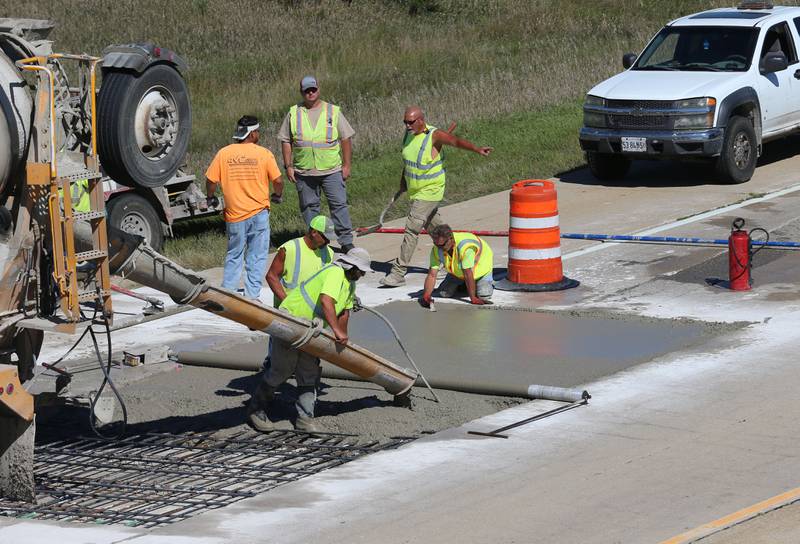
155 479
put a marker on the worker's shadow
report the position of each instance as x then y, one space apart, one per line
386 267
282 406
461 293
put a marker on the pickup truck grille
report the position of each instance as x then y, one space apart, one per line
638 121
642 104
639 118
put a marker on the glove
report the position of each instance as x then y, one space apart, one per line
276 198
212 202
425 301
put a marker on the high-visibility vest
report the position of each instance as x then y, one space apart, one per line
301 262
315 148
79 195
464 241
424 175
304 301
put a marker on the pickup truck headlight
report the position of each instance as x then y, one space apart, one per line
593 118
705 102
700 116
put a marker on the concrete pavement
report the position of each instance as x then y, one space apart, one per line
661 448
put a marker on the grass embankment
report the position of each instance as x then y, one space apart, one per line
512 73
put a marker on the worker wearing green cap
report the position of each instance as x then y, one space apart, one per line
299 259
296 261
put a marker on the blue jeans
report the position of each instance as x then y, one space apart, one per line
248 241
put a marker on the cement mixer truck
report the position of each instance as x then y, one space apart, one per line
60 130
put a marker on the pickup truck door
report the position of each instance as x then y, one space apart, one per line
779 104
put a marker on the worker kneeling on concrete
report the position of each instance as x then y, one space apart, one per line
468 261
328 296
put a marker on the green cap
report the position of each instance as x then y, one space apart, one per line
323 225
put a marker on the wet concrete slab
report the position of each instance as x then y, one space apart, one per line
514 347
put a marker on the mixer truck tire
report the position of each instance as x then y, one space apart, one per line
144 123
133 214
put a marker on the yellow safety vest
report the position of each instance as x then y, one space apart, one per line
301 262
304 301
79 195
315 148
452 260
424 174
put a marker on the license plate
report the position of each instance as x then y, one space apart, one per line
634 145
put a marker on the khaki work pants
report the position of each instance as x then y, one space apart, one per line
423 214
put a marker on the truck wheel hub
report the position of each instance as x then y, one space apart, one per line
134 223
156 123
741 150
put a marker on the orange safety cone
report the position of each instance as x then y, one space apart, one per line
534 240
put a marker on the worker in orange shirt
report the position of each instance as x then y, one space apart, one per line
245 171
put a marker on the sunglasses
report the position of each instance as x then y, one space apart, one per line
310 90
408 123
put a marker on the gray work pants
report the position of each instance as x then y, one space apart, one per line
308 190
286 361
484 286
422 214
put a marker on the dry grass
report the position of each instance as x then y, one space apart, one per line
470 59
479 63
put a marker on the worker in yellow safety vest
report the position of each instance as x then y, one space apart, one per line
327 298
296 261
316 145
424 178
300 258
468 261
79 196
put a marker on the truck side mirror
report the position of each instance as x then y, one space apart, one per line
774 61
628 59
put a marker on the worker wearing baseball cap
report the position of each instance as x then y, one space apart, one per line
329 296
300 258
316 145
245 171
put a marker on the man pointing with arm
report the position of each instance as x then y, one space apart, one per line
424 178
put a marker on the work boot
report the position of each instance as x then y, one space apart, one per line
392 280
260 421
261 398
305 423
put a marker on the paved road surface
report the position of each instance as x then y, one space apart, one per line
662 448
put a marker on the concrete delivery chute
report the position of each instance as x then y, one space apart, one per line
138 262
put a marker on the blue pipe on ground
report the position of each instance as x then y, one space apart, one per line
671 239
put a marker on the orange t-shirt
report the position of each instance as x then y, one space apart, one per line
245 172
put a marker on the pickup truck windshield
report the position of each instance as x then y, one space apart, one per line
700 48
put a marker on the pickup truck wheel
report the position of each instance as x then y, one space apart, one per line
144 124
134 214
737 161
607 167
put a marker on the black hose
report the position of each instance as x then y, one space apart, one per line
106 380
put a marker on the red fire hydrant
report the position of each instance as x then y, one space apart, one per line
739 252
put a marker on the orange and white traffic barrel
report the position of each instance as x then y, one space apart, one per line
534 240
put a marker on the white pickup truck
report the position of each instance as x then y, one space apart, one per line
713 85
